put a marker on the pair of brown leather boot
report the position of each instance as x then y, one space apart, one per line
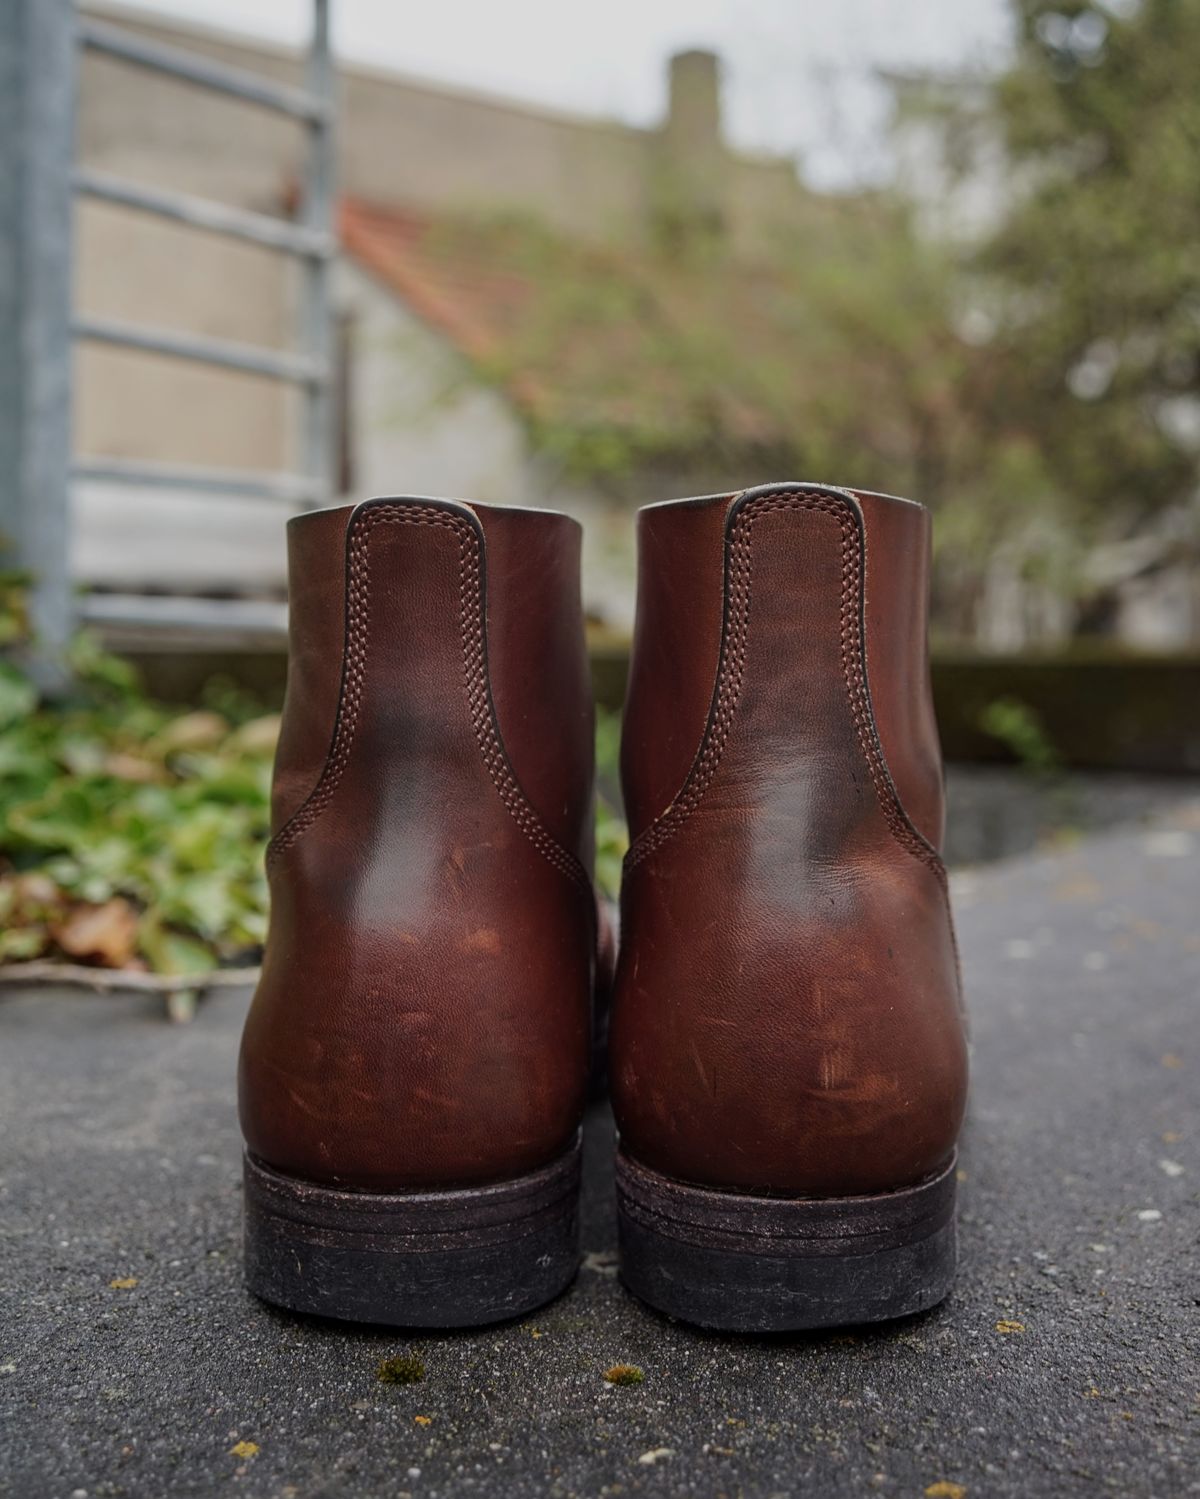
786 1057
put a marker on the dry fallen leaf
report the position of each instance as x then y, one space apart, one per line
107 934
125 767
259 736
36 889
423 1420
123 1283
944 1489
192 731
244 1449
1005 1326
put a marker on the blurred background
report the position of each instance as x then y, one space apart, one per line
588 258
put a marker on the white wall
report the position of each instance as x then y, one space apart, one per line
423 423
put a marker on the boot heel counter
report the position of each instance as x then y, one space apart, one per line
788 1009
423 1009
812 1048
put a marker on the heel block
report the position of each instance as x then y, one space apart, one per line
742 1263
456 1258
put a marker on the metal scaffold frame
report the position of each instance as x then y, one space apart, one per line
40 44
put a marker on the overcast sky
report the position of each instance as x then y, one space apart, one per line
799 74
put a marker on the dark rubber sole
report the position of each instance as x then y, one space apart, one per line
766 1264
413 1259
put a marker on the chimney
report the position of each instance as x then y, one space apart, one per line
690 201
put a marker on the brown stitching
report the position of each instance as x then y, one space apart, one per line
474 680
732 671
484 722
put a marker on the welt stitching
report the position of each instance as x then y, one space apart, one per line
732 671
474 682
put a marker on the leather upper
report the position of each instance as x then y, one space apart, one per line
423 1013
787 1015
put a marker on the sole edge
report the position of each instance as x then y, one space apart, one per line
738 1263
457 1258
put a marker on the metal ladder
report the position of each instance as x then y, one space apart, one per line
40 43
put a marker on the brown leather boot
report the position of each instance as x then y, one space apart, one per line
787 1055
414 1065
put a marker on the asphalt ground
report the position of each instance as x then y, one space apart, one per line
133 1362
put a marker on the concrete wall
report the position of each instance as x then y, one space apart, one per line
147 271
404 141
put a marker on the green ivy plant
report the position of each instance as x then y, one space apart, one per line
133 833
1020 729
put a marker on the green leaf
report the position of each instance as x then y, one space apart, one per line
18 696
95 667
172 952
20 944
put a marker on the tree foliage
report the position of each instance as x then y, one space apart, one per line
1096 265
